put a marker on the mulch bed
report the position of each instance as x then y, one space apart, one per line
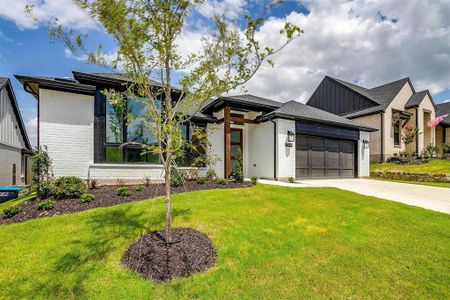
107 196
191 252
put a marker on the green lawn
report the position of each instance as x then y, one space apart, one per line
272 243
434 166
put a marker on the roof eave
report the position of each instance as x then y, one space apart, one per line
271 116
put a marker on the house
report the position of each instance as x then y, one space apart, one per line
15 148
388 108
442 130
278 140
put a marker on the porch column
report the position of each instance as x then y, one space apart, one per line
227 143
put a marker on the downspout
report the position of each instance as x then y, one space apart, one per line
382 136
274 149
417 126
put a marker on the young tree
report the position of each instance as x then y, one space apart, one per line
147 33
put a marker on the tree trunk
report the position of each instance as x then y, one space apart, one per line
167 167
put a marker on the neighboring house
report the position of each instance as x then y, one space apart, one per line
83 134
15 148
388 108
443 129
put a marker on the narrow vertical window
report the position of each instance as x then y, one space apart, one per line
397 133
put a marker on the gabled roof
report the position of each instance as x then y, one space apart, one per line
6 83
443 109
382 95
416 99
299 111
245 101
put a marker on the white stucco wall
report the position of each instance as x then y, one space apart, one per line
285 155
260 150
215 136
363 155
66 126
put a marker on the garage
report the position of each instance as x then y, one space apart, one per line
325 151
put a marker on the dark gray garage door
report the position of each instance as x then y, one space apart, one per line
321 157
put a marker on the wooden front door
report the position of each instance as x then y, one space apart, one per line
236 142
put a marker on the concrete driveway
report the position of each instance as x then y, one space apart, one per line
429 197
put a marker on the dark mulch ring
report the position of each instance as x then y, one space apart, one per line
190 252
107 196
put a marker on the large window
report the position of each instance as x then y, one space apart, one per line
119 131
397 133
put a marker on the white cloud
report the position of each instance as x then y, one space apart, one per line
349 40
31 127
66 11
230 8
446 101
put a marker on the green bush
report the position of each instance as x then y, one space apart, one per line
291 179
68 187
176 177
254 179
123 191
11 211
211 175
221 181
44 189
237 172
45 205
139 188
86 198
201 180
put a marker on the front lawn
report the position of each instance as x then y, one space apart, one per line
434 166
272 243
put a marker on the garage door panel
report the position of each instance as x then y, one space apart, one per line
319 157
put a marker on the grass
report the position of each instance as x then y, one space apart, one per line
272 243
434 166
428 183
16 201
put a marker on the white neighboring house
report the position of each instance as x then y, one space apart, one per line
277 140
15 148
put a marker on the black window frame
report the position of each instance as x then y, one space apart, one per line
397 135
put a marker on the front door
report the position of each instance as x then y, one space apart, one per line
235 144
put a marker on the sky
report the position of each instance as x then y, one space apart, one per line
366 42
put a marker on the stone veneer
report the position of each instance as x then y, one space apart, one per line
407 176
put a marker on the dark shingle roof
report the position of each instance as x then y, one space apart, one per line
443 109
255 100
297 110
415 99
110 76
248 101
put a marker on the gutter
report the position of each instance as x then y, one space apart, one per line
382 135
274 149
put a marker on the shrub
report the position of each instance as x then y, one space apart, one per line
86 198
254 179
237 172
42 171
176 178
221 181
68 187
11 211
201 180
123 191
45 205
139 188
291 179
45 189
93 184
211 175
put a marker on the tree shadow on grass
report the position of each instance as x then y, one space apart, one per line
84 256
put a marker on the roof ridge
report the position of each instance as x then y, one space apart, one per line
391 82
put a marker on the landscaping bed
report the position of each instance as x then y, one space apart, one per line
107 196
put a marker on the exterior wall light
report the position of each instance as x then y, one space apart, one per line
290 136
366 144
